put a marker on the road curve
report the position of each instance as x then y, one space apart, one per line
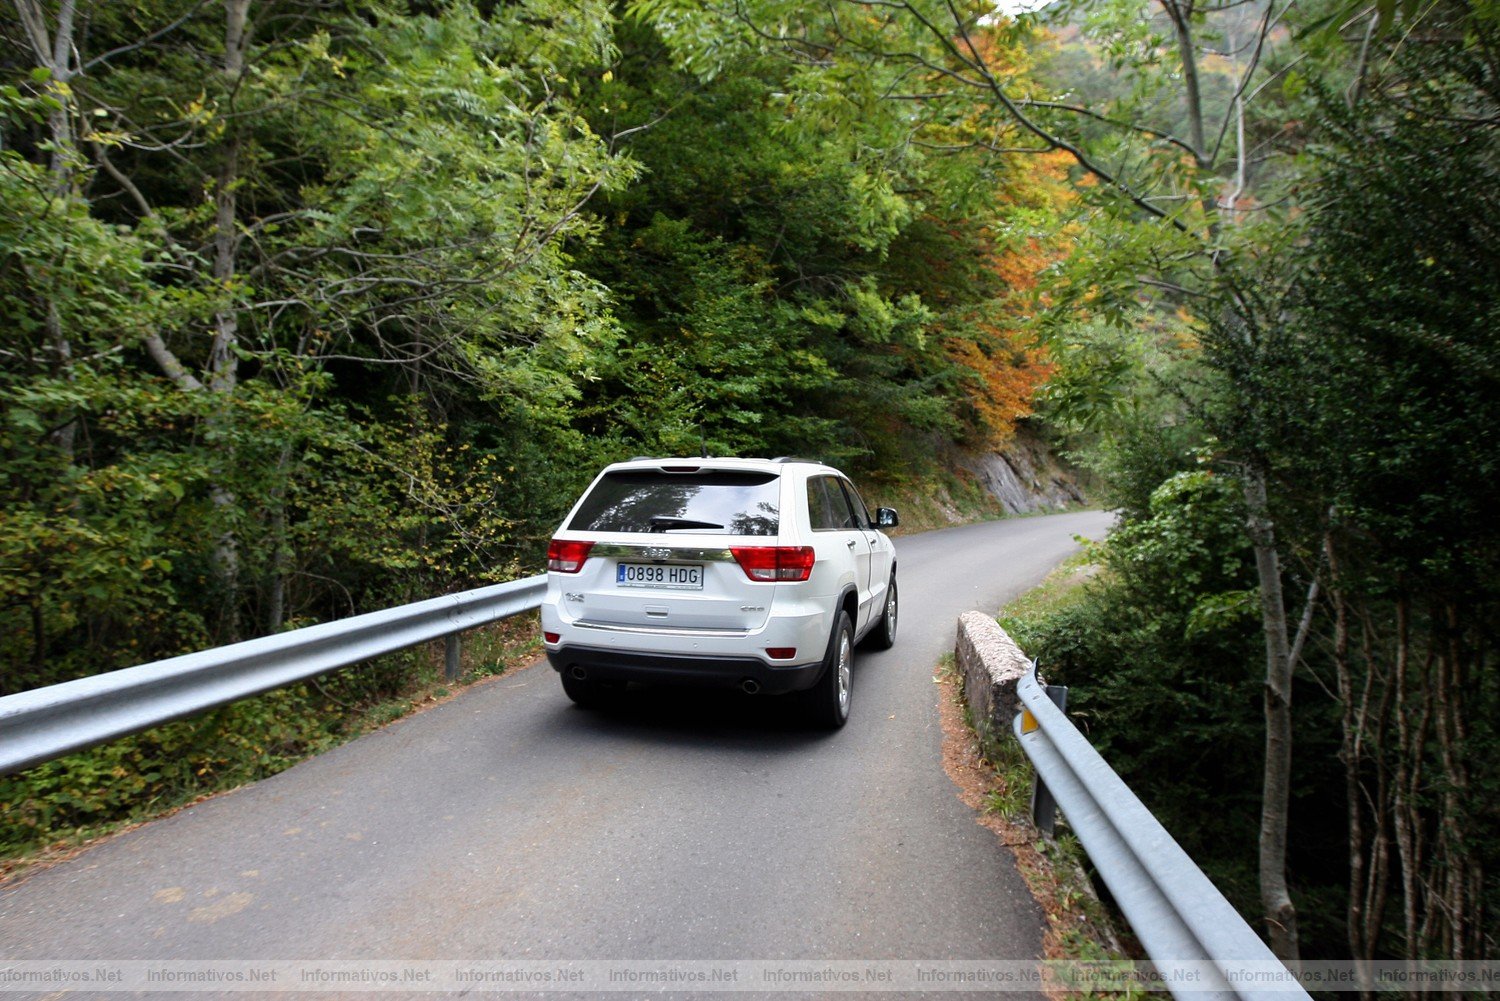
508 824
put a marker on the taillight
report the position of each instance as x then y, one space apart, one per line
775 563
567 557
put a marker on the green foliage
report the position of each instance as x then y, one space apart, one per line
345 311
1383 389
1116 401
172 487
706 347
1161 656
784 288
1393 350
161 768
81 546
1338 337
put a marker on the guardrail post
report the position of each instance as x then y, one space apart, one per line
1043 806
452 648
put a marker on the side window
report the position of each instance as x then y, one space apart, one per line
843 515
827 507
818 510
861 513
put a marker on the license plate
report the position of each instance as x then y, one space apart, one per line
681 578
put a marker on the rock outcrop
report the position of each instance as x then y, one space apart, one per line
1025 476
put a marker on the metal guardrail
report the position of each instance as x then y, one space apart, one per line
1182 920
47 723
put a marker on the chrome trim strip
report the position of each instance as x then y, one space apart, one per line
662 631
653 554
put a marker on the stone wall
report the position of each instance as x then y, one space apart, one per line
989 664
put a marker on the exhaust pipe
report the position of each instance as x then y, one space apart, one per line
578 673
750 686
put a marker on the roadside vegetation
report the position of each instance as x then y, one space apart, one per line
316 307
995 779
1286 299
320 307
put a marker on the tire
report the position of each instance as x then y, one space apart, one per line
828 701
883 636
584 693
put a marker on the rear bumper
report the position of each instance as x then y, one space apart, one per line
688 671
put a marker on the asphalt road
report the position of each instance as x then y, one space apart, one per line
508 824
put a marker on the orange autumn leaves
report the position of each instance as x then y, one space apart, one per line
1001 361
1017 236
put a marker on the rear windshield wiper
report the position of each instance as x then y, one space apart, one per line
673 524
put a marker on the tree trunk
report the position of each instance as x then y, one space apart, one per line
281 549
53 51
1276 901
223 360
1181 15
1448 698
1364 910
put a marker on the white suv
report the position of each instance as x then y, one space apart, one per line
751 573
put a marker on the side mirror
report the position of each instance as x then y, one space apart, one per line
885 517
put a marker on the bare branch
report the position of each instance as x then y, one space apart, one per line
992 86
1267 22
168 362
142 43
1144 130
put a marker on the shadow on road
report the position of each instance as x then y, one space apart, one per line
694 717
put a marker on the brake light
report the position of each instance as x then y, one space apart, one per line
567 557
775 563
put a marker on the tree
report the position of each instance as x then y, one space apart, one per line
1338 369
1375 407
245 277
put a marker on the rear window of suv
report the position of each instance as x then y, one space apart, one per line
710 502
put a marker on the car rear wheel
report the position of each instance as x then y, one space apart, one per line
828 700
586 693
883 636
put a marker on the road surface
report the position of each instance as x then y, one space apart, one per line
506 824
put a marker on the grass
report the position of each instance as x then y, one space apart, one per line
1063 588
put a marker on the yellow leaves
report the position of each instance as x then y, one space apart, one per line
197 110
317 47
